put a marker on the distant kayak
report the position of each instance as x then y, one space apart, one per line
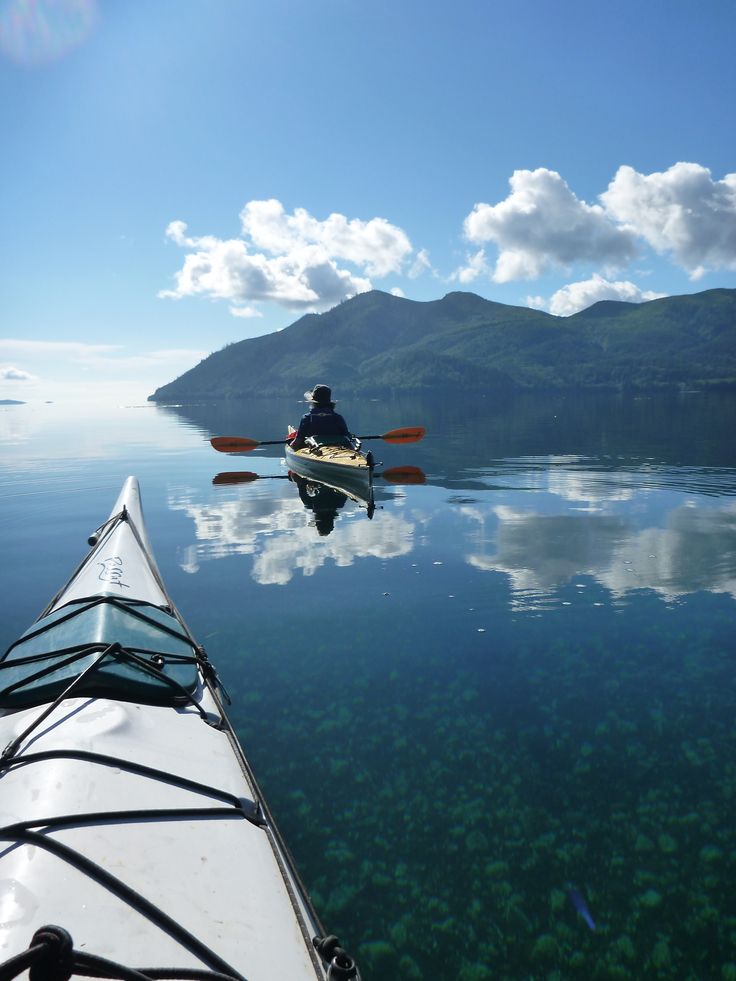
338 464
134 828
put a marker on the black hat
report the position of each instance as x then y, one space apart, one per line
320 394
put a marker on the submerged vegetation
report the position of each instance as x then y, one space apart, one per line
468 789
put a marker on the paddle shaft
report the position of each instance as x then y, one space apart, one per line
276 442
243 444
394 475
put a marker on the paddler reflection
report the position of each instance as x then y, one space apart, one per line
324 501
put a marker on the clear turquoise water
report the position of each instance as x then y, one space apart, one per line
513 680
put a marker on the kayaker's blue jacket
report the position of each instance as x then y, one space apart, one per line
321 421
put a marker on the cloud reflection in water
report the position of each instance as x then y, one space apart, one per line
540 553
625 530
280 535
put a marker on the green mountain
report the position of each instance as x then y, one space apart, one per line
377 342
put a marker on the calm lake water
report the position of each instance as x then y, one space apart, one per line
516 681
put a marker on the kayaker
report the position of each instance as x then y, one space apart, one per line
321 420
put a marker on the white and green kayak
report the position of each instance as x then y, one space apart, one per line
132 828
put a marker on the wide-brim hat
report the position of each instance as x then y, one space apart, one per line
320 394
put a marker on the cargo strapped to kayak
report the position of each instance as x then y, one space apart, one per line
155 661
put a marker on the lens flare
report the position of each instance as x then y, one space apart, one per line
35 32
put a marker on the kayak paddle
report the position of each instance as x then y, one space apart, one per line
409 434
394 475
403 475
243 444
240 444
236 477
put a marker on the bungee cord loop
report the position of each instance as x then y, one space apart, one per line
340 965
51 956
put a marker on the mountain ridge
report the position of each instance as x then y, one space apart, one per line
377 342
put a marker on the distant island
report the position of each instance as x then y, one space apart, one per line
11 402
379 343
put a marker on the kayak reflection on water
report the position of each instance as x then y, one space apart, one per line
323 500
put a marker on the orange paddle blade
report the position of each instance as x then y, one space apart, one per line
235 477
233 444
409 434
404 475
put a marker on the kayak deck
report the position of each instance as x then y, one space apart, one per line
129 813
344 468
326 453
145 841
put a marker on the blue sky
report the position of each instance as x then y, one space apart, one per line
180 174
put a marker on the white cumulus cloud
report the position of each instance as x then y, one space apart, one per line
542 225
681 211
245 312
475 265
579 296
294 260
421 265
376 245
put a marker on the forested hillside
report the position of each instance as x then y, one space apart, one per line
377 342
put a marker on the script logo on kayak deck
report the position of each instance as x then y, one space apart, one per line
112 571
